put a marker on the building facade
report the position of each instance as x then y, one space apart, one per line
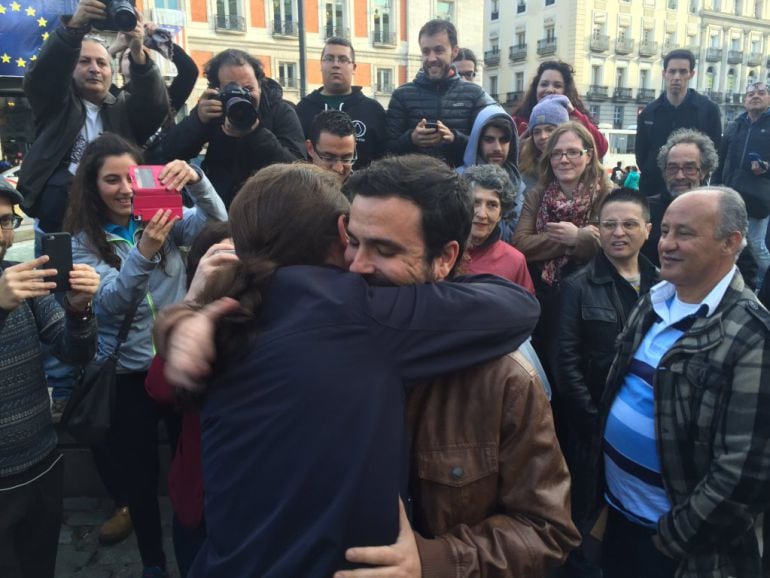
617 46
383 33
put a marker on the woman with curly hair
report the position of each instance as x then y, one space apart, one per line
556 77
142 270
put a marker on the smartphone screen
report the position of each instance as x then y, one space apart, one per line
58 247
431 125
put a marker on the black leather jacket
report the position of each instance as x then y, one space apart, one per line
596 302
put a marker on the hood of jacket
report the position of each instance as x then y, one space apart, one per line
272 94
471 156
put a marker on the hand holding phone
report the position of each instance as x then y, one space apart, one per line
58 247
150 195
431 125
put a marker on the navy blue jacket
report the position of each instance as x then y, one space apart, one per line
303 441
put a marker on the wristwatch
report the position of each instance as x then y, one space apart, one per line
81 314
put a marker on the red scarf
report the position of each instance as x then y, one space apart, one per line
556 207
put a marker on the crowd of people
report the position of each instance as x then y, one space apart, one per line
437 339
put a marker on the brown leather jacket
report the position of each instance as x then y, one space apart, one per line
488 478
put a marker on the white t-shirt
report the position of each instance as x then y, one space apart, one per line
92 128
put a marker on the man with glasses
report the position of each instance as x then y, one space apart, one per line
434 113
465 64
331 143
682 466
678 107
31 469
744 157
596 302
338 64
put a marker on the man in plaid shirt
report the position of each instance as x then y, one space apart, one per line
686 436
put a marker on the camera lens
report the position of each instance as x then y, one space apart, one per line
123 15
241 113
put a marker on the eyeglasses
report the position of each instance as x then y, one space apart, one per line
688 170
571 154
629 226
8 222
331 59
468 74
332 160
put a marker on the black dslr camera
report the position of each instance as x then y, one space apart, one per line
121 16
240 107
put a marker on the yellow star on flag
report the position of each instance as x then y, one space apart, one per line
30 11
44 35
2 9
21 63
34 58
42 22
15 7
5 58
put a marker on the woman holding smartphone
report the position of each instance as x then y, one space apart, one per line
140 266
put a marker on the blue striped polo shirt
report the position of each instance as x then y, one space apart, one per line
631 459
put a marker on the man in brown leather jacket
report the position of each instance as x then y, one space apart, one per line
489 487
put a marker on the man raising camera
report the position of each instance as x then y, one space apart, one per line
69 90
244 120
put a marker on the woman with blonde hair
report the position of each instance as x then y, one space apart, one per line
557 231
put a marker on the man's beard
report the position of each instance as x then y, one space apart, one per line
379 280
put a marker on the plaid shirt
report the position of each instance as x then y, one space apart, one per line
712 423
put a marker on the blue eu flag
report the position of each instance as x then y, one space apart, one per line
24 26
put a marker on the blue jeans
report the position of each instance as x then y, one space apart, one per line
59 375
756 239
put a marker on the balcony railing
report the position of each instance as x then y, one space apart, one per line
715 96
512 97
384 87
713 54
755 59
517 52
648 48
338 31
734 98
622 93
492 57
285 28
599 43
734 56
598 92
384 38
288 82
645 95
231 22
624 46
546 46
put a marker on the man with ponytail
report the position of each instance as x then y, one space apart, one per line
303 420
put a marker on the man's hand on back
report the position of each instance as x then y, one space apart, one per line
400 560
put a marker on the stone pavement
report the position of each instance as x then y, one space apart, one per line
81 556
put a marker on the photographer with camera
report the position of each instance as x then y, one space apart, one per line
243 118
70 90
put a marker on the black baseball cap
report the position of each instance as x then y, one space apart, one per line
9 191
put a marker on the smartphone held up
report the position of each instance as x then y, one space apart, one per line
150 195
58 247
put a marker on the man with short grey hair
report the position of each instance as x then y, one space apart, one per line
684 419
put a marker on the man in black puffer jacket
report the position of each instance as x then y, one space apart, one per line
434 113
